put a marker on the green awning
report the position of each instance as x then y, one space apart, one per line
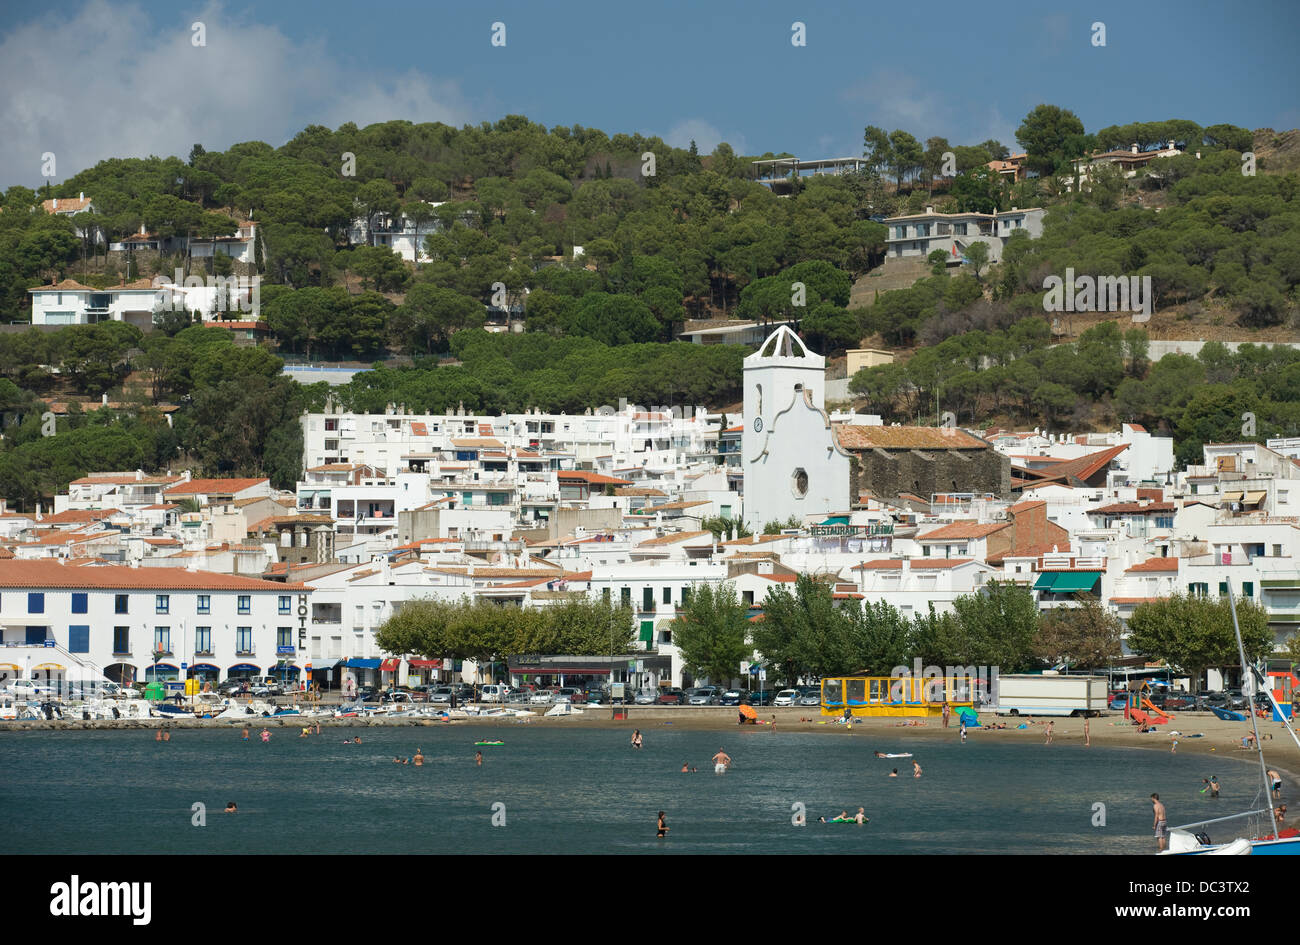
837 520
1046 581
1070 582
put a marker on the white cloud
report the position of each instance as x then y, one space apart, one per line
109 83
705 136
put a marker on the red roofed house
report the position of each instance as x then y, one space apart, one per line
142 623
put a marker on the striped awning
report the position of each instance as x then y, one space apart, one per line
1231 497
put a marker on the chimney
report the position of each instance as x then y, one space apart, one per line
56 203
929 209
81 196
1172 146
1133 149
104 399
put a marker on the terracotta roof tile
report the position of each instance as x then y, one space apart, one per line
965 528
111 577
861 437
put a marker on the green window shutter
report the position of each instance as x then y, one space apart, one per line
647 631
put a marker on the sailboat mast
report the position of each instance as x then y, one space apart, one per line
1250 708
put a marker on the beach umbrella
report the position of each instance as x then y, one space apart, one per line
747 712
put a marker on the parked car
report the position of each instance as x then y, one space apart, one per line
440 695
541 697
702 695
760 697
730 697
787 697
597 696
646 697
671 697
810 697
1179 701
1236 699
571 694
29 689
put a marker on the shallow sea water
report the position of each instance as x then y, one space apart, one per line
588 791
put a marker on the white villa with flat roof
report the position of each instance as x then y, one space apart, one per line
920 234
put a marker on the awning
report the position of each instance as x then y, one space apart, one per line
51 666
1045 581
1231 497
389 665
170 667
324 666
425 664
1254 498
206 667
363 664
837 520
16 669
1071 582
244 668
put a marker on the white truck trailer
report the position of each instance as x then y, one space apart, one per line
1052 695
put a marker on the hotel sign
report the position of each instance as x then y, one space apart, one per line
852 531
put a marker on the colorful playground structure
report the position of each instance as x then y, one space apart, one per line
1139 707
906 696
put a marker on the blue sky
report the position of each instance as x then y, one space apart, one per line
124 79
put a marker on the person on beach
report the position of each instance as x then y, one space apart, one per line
1161 823
961 729
894 773
636 738
1087 739
1275 780
916 769
1051 730
721 762
478 758
418 760
947 713
231 808
661 827
1173 748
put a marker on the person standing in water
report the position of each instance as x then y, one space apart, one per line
860 817
916 769
636 738
1161 823
1051 730
478 758
266 736
721 762
1087 739
419 758
661 827
245 733
1275 782
961 729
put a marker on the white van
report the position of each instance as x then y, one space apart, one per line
492 693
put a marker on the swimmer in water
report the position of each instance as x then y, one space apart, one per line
266 736
245 734
357 740
721 762
916 769
894 773
636 738
419 758
158 735
478 758
860 817
231 808
305 732
686 768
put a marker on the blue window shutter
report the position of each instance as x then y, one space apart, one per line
35 603
79 603
79 639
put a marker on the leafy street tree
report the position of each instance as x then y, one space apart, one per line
711 632
1193 634
1084 637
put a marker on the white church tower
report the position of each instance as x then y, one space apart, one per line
793 465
